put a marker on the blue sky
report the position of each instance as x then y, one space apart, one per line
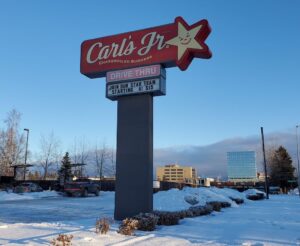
252 80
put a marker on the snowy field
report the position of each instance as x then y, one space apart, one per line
37 218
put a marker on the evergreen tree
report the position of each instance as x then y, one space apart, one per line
65 172
281 168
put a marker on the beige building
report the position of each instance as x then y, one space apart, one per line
261 177
176 173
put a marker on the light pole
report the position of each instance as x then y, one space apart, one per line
27 130
298 159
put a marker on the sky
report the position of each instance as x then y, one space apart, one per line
252 79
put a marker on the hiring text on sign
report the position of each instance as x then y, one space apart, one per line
134 87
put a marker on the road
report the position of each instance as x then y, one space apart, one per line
56 209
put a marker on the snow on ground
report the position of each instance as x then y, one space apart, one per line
10 196
170 200
294 192
268 222
173 200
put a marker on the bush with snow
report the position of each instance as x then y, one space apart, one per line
147 221
170 200
199 210
215 195
216 206
167 218
254 194
234 195
177 200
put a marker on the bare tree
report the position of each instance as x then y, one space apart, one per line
12 143
104 159
83 151
101 155
48 155
80 155
270 154
112 162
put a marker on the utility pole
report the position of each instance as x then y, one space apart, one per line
27 130
298 159
265 163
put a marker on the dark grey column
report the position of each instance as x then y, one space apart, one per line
134 167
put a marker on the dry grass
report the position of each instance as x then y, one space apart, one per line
102 225
128 227
62 240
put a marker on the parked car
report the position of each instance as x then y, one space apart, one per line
274 190
81 188
27 187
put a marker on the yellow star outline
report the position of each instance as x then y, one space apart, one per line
185 40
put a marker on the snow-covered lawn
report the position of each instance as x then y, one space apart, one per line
268 222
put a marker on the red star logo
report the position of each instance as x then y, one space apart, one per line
190 42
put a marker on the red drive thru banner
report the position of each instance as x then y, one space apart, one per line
171 45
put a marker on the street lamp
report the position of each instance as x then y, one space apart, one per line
298 159
27 130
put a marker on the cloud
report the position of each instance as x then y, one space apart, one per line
210 160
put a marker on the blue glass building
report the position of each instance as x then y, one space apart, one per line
241 166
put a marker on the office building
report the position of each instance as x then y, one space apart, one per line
241 166
176 173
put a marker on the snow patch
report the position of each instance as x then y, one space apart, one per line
7 196
250 192
175 200
294 192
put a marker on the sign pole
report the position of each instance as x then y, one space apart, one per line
134 163
134 66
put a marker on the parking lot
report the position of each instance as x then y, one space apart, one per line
56 209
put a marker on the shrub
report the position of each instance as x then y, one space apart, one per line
147 221
254 197
102 225
62 240
184 214
225 204
237 200
208 208
19 189
189 213
167 218
216 206
201 210
128 226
